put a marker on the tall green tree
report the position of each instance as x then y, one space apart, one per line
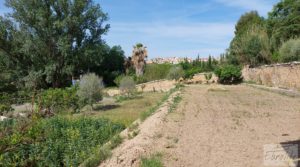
251 43
284 22
51 39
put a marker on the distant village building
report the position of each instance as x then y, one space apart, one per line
170 60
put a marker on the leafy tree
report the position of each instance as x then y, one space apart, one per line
251 43
284 22
247 20
112 65
53 38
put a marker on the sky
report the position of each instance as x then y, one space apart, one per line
175 28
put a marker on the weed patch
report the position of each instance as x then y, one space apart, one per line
152 161
175 103
58 141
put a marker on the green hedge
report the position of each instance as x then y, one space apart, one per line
57 141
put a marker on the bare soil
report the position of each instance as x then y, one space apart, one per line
225 126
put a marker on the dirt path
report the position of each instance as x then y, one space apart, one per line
225 126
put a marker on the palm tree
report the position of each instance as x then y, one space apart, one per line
139 55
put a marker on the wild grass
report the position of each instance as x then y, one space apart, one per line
177 99
146 114
128 111
154 160
103 152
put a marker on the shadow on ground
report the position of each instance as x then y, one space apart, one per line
292 149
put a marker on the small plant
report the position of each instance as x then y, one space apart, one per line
127 86
90 89
208 77
175 103
133 134
154 160
115 141
133 126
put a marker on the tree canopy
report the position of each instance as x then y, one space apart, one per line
54 40
257 39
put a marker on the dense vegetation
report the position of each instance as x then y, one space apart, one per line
58 141
60 39
261 40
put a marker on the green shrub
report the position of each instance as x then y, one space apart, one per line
127 86
57 141
175 73
229 74
290 51
90 89
56 100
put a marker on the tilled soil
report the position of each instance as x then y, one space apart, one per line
225 126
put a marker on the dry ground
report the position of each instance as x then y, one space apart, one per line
213 126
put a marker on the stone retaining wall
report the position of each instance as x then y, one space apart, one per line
285 75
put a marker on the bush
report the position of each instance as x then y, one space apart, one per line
175 73
127 86
57 141
229 74
90 89
290 51
56 100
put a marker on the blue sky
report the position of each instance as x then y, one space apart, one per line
182 28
